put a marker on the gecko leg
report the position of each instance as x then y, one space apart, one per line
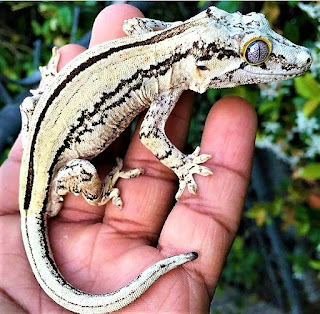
80 176
153 136
29 104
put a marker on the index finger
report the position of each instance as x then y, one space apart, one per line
111 19
207 222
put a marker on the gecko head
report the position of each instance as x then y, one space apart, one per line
238 49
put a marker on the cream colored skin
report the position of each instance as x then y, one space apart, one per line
79 111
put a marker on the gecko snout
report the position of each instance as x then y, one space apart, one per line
304 58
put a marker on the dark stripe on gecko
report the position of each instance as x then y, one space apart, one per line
162 69
154 71
155 39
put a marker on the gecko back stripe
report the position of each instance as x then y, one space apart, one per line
155 39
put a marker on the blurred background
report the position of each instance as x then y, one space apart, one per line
274 264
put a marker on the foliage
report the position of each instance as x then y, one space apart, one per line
240 263
50 22
310 171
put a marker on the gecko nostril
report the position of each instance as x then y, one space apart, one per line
304 58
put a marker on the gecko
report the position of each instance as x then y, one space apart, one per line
79 111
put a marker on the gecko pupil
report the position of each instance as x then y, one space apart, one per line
257 52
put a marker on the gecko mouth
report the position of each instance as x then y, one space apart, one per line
280 75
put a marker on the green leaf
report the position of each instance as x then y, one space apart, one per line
307 86
310 105
4 155
238 244
267 106
201 4
298 102
311 171
259 213
291 31
251 95
212 94
65 18
229 6
315 264
36 28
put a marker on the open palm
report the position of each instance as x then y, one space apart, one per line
100 249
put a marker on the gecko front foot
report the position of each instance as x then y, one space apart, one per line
192 166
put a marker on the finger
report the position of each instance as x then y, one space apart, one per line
9 179
151 195
207 223
111 19
67 53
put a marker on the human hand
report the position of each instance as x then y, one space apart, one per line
100 249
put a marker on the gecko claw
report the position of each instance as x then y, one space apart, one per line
203 158
192 188
117 202
204 171
182 186
196 151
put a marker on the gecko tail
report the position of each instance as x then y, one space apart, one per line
64 294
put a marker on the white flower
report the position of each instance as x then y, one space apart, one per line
305 124
312 9
277 149
315 66
271 126
314 147
272 89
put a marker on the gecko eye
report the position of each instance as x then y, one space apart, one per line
256 50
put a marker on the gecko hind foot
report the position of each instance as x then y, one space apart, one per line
109 191
80 176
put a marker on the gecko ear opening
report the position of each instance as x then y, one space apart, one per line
201 66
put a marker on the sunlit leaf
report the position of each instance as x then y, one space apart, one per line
201 4
310 105
36 27
307 86
311 171
258 213
315 264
